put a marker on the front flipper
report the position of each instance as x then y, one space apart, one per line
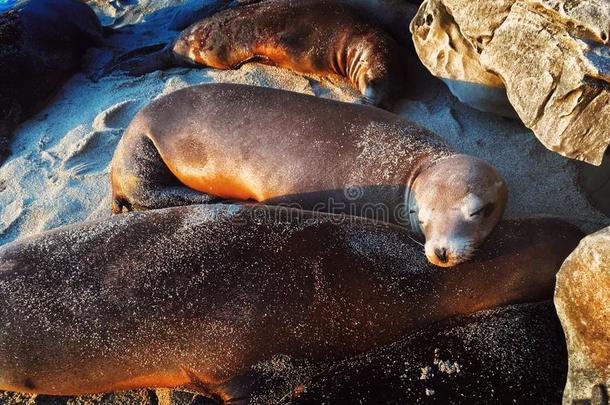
159 196
201 386
143 60
254 59
238 390
377 97
270 381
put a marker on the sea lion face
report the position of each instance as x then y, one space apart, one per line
459 200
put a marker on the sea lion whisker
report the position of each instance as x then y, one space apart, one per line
416 241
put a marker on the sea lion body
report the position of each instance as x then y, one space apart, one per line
512 354
277 147
41 45
318 37
254 143
393 16
128 302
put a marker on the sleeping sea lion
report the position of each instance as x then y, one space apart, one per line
41 45
194 296
321 37
393 16
223 141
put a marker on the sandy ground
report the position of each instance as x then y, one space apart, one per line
59 171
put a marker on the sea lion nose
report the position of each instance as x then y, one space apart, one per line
441 253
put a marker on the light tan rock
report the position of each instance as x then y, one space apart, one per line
478 20
551 55
452 57
582 299
590 17
443 48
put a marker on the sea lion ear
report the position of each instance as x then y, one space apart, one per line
498 185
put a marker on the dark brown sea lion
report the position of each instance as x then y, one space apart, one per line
321 37
511 354
41 45
194 296
278 147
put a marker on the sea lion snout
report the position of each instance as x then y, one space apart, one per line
447 252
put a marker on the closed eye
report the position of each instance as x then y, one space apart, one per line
477 212
486 210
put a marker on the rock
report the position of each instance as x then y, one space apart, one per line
552 56
452 57
582 299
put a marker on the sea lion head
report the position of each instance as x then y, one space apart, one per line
455 203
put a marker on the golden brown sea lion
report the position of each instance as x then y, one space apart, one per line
278 147
393 16
321 37
194 296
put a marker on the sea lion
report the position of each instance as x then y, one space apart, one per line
321 37
492 356
41 45
194 296
278 147
393 16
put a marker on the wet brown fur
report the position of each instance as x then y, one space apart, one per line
318 37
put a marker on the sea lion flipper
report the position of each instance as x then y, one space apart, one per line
242 388
143 60
162 197
255 58
199 385
237 390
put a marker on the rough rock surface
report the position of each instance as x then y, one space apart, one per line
582 298
551 55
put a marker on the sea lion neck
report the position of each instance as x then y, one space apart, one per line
410 194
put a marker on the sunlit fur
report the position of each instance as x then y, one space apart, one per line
346 43
446 194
